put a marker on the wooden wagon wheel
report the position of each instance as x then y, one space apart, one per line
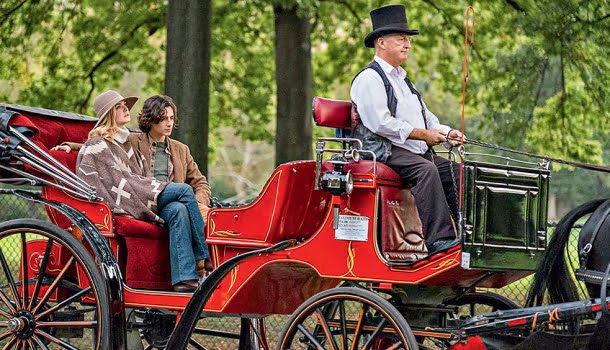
347 318
52 294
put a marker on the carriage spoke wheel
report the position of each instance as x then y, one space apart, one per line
44 302
480 302
155 327
347 319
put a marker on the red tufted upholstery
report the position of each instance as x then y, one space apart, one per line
147 251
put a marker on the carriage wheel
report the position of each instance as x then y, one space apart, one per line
475 303
155 326
44 302
346 319
480 302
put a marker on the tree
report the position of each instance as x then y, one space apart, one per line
293 80
187 72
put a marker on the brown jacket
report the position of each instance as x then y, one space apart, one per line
182 169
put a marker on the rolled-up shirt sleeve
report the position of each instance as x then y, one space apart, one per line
434 123
368 93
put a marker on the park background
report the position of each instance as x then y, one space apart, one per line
243 73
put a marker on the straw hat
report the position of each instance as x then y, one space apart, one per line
106 100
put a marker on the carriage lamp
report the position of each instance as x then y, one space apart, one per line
337 183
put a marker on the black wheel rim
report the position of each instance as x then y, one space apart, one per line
48 298
339 322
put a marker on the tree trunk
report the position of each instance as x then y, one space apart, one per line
294 84
187 72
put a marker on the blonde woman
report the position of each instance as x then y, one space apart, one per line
108 162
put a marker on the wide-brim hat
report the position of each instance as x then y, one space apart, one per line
108 99
388 20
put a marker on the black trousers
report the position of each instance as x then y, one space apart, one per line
433 190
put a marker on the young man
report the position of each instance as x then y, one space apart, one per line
166 158
392 121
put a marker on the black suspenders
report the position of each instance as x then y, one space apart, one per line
392 101
421 103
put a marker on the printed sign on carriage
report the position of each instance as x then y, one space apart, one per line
352 228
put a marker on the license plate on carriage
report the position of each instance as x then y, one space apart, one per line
352 228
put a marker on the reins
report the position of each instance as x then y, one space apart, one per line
587 166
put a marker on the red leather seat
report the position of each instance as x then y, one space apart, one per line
337 114
129 227
141 248
384 172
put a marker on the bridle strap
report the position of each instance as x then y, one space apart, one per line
584 252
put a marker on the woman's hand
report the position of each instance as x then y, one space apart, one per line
64 148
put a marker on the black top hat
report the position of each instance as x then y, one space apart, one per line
388 20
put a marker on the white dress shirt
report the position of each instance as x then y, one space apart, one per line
368 92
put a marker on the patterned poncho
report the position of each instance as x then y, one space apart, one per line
115 169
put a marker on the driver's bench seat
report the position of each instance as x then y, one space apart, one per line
401 234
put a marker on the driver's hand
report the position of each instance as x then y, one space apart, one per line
434 137
455 137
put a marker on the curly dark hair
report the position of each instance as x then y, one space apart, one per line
153 111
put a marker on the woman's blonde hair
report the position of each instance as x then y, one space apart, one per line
107 127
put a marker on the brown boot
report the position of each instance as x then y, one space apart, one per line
188 286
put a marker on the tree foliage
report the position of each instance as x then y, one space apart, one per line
59 54
538 73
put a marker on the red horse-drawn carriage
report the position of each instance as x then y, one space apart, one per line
336 243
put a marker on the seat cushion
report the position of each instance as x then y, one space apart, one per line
384 172
130 227
66 158
147 250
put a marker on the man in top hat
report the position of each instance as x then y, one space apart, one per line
391 119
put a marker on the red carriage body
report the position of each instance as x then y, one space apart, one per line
368 234
288 207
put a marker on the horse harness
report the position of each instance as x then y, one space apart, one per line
593 276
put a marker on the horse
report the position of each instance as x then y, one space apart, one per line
554 277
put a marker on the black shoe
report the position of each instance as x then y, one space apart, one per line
442 244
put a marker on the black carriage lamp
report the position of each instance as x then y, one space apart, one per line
338 183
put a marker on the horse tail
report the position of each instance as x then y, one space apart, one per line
552 274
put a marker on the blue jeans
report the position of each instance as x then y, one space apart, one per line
178 207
